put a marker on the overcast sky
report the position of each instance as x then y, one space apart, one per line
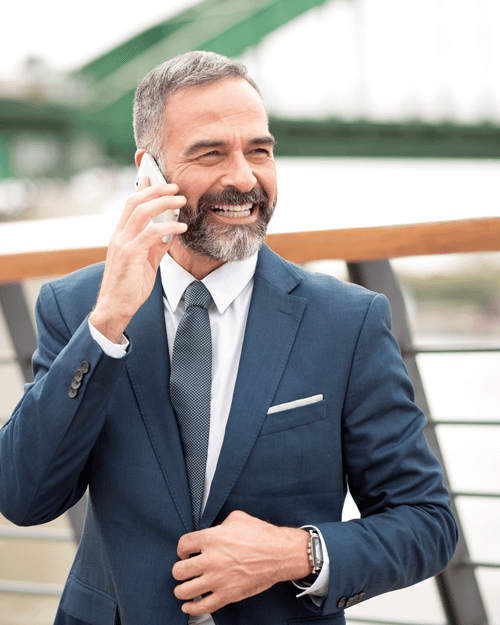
69 34
381 59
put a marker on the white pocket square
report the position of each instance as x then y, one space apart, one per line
295 404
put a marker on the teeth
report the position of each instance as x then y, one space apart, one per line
231 208
233 211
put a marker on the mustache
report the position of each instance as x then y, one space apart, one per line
232 197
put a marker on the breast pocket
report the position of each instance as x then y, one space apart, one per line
277 466
293 418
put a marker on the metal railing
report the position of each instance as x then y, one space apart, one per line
31 588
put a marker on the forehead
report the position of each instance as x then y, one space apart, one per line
227 110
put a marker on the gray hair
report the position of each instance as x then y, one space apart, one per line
186 70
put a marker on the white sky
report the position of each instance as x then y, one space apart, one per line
380 59
67 35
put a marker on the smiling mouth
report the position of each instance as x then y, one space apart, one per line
235 211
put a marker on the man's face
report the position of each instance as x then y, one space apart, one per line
219 152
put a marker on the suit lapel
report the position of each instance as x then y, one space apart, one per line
149 371
272 324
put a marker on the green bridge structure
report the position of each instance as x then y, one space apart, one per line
102 107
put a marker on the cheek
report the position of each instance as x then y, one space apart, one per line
194 184
270 187
268 179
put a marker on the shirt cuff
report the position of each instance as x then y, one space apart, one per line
320 587
114 350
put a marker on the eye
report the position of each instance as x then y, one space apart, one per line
210 158
261 152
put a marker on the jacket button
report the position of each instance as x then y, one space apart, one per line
350 602
85 367
362 595
78 376
75 383
72 392
342 602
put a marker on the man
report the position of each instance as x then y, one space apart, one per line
308 394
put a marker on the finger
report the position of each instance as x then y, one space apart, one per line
191 543
144 195
141 198
191 589
187 569
156 190
143 183
141 216
154 233
206 605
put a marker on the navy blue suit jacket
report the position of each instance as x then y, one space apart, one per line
306 334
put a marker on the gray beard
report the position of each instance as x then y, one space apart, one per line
224 242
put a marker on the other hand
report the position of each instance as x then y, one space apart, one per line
238 559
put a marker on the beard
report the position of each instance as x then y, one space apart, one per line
208 237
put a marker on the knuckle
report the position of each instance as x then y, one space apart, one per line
211 605
181 545
140 209
236 515
130 202
175 571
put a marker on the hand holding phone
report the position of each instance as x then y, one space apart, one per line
149 168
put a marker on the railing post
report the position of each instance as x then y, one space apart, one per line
23 335
457 584
20 326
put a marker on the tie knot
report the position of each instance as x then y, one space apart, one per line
197 294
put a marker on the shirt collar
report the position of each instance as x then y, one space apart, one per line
224 284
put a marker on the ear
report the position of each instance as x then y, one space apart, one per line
138 156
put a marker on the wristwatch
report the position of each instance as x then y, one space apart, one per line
315 552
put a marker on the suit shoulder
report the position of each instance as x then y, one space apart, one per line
339 302
74 295
87 278
301 282
326 286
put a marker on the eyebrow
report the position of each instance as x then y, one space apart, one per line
200 145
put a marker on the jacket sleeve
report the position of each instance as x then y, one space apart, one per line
406 532
45 447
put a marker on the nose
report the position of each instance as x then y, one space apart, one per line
239 174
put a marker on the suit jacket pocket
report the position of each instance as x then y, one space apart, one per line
293 418
88 604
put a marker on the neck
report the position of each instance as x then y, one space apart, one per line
198 266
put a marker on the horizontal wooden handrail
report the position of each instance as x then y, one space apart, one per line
358 244
354 244
19 267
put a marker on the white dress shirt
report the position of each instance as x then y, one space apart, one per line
231 287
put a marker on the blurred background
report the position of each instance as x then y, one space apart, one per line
385 112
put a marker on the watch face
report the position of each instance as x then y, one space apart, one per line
317 551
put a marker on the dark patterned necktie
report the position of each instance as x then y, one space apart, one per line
190 387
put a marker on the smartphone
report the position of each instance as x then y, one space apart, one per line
149 168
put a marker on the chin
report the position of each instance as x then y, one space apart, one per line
225 243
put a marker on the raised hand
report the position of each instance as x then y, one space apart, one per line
134 254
